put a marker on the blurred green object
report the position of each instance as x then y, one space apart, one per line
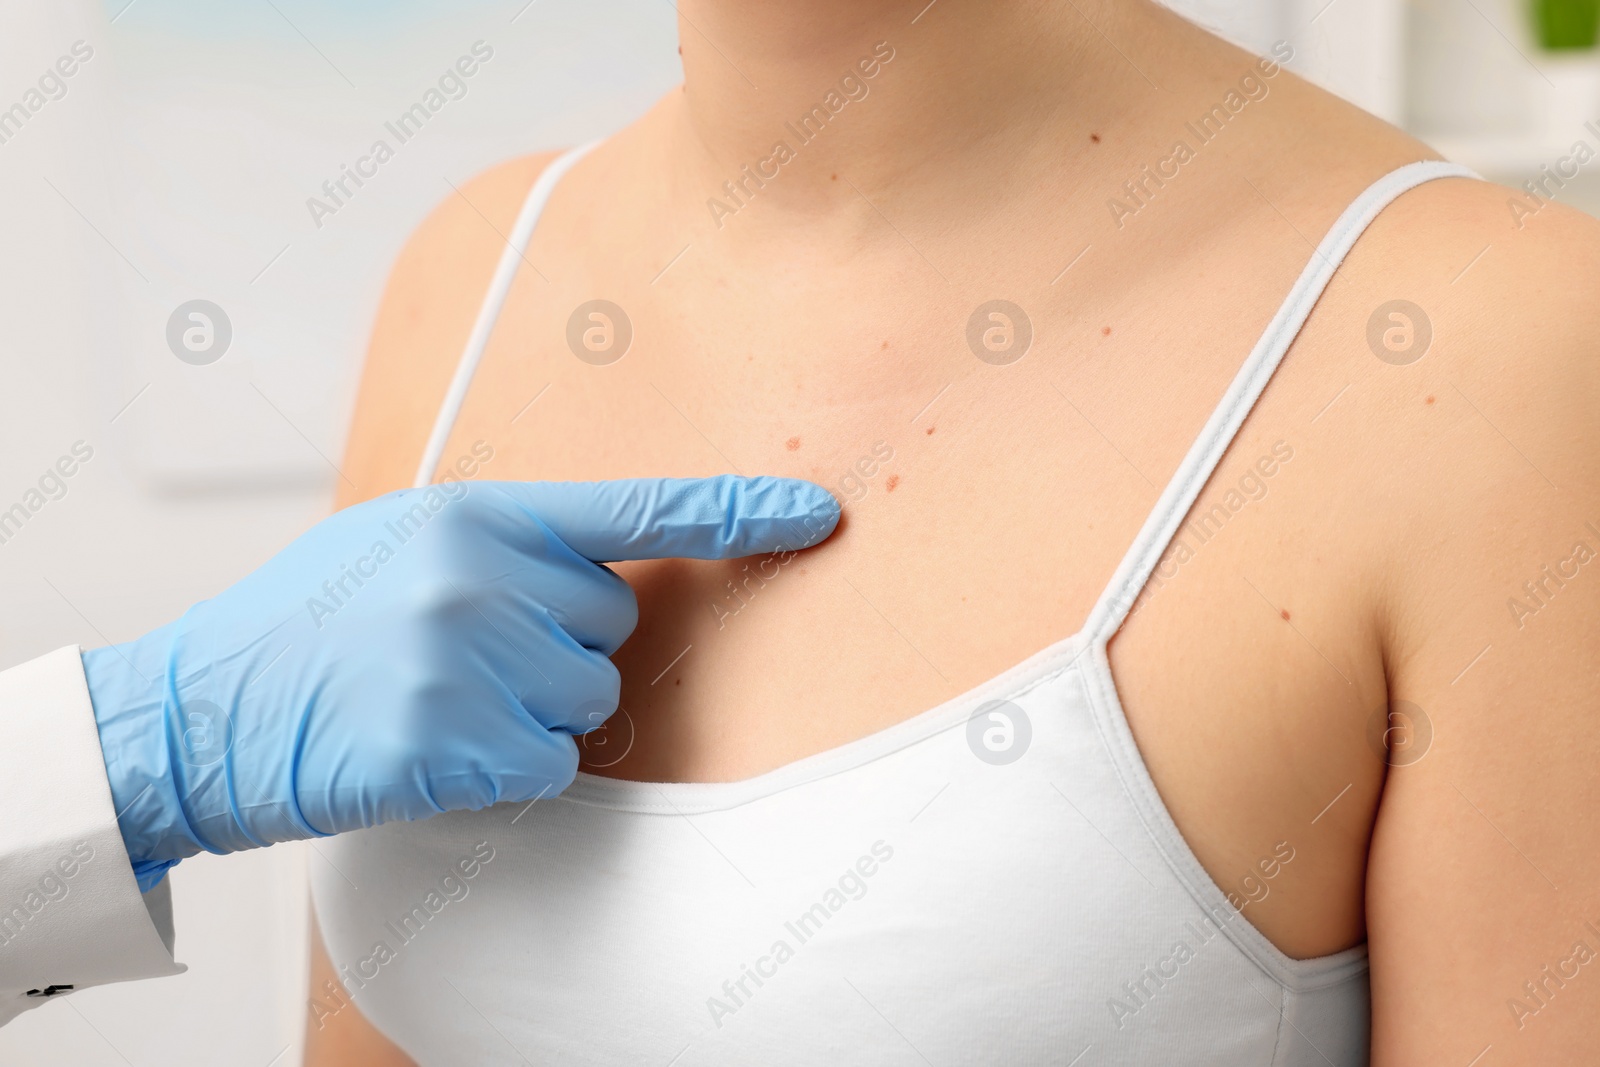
1565 25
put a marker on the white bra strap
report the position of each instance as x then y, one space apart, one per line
1207 451
505 273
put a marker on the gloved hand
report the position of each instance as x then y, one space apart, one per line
430 650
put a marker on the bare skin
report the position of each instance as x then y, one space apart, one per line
829 314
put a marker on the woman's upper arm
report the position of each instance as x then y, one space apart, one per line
1484 876
432 298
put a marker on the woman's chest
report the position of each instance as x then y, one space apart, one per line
993 461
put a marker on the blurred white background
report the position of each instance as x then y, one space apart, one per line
177 166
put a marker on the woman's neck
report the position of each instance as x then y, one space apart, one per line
871 91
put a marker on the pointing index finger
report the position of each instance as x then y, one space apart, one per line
722 517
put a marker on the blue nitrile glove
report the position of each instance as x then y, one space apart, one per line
431 650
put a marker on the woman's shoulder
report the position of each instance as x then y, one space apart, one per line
1486 292
429 304
1465 324
1501 286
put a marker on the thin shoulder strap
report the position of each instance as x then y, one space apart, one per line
504 274
1207 451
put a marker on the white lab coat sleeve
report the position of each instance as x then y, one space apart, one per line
71 914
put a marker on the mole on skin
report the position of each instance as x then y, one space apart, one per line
792 444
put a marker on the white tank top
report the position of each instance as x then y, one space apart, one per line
995 881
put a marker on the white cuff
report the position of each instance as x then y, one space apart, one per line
71 914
